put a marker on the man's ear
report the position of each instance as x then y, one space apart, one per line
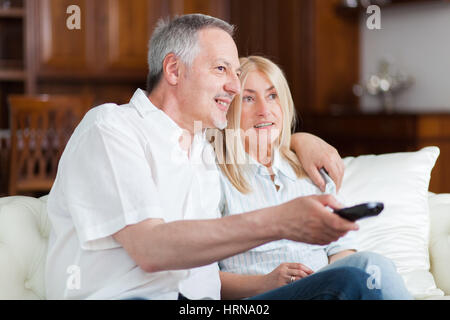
171 69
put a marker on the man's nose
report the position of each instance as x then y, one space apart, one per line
233 86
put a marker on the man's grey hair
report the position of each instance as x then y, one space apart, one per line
178 36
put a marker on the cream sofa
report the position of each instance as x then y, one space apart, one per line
400 180
24 229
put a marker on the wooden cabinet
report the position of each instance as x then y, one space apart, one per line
14 71
60 50
359 134
107 57
123 32
113 36
112 41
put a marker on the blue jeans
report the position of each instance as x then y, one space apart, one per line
338 283
382 271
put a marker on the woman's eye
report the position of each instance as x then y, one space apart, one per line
247 99
273 96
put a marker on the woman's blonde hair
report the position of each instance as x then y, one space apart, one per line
229 148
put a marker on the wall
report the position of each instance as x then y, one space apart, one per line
417 38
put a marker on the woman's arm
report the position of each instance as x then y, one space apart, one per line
340 255
239 286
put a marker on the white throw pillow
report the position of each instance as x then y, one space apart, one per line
401 231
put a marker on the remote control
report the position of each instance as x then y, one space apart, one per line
360 211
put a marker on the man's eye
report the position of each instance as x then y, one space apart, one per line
221 68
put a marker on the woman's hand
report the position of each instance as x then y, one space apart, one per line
314 154
284 274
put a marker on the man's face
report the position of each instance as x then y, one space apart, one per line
210 84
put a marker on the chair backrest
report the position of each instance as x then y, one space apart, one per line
40 128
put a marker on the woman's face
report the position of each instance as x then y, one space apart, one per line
261 111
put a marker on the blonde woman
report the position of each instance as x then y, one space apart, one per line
259 170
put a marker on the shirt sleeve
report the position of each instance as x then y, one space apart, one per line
223 201
107 183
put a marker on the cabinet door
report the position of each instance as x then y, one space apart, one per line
61 51
124 28
113 39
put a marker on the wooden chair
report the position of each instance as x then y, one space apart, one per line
40 128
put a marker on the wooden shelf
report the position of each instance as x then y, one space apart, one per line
7 64
12 75
12 13
12 70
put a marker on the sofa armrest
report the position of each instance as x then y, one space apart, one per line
24 229
439 246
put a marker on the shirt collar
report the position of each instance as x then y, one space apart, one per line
142 103
145 107
282 165
279 166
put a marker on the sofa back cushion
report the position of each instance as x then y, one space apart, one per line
401 231
440 239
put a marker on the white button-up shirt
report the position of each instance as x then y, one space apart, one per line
123 165
265 258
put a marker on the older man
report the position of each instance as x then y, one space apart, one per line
134 207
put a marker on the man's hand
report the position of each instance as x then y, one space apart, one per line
307 219
314 154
